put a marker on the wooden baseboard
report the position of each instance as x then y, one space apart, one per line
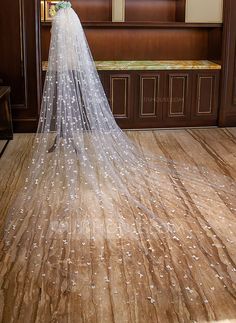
229 121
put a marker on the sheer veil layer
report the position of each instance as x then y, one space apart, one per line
89 187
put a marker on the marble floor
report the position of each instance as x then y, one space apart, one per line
112 292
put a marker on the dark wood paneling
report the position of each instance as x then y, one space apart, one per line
12 46
120 96
177 97
45 41
148 98
93 10
205 102
215 44
119 89
180 10
161 99
144 43
204 98
234 81
150 10
19 60
148 44
228 83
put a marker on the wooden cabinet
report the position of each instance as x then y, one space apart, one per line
151 99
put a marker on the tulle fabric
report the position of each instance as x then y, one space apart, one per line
88 183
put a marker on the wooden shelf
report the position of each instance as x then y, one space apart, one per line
144 25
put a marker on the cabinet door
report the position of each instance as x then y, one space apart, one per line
205 98
177 98
118 88
148 99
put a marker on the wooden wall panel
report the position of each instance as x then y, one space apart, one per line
147 44
215 44
204 95
150 10
234 80
205 103
19 60
11 26
180 10
93 10
45 41
148 98
228 84
120 97
142 43
162 99
178 96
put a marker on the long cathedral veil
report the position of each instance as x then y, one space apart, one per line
88 183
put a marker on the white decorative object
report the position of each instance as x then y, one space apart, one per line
204 11
118 10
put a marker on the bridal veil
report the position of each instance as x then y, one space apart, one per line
89 187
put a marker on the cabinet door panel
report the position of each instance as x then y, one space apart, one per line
119 91
205 95
177 98
118 88
148 99
148 94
